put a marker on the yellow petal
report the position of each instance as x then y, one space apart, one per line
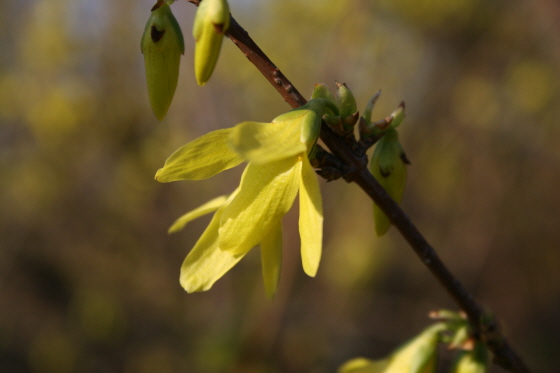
266 193
206 263
363 365
271 259
474 361
207 208
418 355
200 159
267 142
310 219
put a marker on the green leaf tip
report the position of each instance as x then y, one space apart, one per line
210 25
162 45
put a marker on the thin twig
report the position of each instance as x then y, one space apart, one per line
483 324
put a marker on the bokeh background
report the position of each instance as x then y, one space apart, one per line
89 276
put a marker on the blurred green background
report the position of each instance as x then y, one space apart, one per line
89 276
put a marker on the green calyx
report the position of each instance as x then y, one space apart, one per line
162 45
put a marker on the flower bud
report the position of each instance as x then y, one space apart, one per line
210 24
475 361
388 166
322 91
162 46
345 99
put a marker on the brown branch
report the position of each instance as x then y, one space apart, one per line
483 324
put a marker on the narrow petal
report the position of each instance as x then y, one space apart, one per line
310 219
266 193
267 142
271 259
206 263
207 208
363 365
200 159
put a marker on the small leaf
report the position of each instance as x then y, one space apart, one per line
369 108
162 46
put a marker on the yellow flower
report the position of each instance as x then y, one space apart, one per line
418 355
278 168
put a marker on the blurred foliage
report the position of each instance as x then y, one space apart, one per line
89 277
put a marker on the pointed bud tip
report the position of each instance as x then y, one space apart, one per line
338 85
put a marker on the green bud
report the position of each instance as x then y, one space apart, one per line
388 166
162 46
322 91
210 24
345 99
475 361
312 122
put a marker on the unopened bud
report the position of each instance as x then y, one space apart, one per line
388 166
345 99
210 24
322 91
162 45
475 361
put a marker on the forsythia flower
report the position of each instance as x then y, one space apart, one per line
278 169
419 355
